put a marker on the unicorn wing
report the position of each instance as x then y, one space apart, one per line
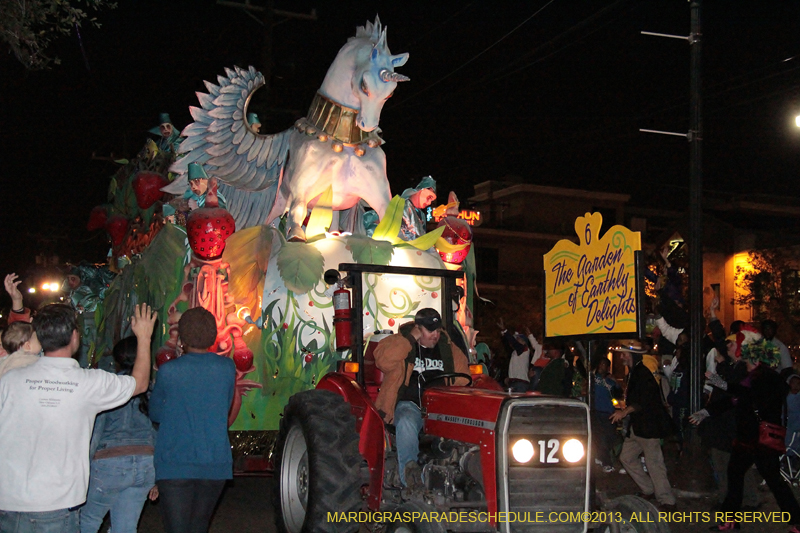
248 165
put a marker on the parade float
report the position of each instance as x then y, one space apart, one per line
245 225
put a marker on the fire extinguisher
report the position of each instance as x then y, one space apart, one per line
342 318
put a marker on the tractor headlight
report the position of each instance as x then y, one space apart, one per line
573 450
522 450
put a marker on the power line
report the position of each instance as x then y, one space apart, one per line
438 27
551 42
501 39
497 77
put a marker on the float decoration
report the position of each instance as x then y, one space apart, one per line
457 233
132 216
247 253
301 266
370 251
274 311
339 134
154 279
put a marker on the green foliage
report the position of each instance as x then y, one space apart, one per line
470 269
369 251
769 285
388 228
281 362
28 27
247 252
301 266
425 242
157 282
155 279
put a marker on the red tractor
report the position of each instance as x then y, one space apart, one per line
492 461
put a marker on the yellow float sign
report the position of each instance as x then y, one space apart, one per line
591 287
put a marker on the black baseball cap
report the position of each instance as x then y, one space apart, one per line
428 318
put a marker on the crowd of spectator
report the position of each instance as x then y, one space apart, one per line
80 444
749 381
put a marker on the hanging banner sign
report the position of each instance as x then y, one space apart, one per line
592 288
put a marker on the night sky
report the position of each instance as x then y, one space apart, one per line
555 99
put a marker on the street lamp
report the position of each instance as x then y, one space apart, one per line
797 121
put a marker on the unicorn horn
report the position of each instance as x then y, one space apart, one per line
387 75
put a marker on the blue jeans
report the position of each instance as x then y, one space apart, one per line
408 424
604 437
58 521
120 485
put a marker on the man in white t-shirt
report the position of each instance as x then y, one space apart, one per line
47 412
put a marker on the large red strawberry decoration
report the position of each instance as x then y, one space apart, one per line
458 232
97 218
207 229
242 355
165 354
147 188
117 227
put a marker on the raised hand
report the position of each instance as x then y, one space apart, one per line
12 282
143 321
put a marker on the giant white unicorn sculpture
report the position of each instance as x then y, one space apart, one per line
336 145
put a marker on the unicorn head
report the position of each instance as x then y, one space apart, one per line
362 76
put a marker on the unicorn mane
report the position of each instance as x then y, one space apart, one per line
374 32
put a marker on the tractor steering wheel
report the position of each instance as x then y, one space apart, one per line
450 375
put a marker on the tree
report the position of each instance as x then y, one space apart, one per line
769 284
29 26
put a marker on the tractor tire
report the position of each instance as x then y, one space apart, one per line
418 526
318 468
627 506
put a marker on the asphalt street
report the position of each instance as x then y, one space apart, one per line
246 505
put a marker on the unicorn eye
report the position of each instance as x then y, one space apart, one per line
364 87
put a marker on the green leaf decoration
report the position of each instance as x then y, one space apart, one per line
322 214
155 278
147 215
424 242
471 271
301 266
388 228
112 189
247 252
369 251
121 161
155 272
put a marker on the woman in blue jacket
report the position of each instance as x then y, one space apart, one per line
122 472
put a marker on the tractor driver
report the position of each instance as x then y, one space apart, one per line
410 359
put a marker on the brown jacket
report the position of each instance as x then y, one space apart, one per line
390 358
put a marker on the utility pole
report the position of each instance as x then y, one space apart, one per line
696 214
695 138
267 20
